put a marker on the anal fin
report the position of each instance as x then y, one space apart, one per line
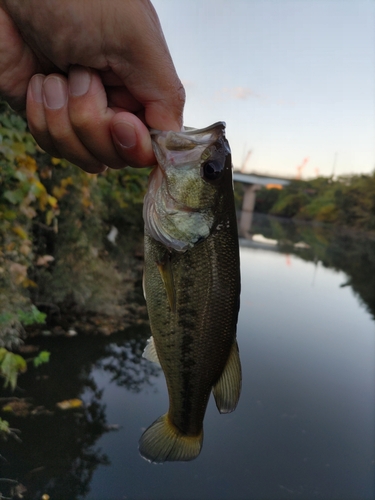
228 388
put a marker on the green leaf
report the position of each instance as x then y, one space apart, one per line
30 146
14 196
9 215
18 146
21 176
6 122
43 357
4 426
3 352
37 188
11 365
31 317
5 317
18 122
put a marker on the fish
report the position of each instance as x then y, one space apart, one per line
192 285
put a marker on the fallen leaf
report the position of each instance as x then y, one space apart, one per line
69 404
28 283
27 349
19 408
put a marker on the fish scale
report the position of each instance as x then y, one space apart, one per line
192 294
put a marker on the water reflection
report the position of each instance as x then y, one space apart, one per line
310 372
304 427
126 365
346 250
58 453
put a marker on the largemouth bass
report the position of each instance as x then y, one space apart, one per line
192 285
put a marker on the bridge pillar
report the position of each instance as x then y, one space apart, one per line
248 205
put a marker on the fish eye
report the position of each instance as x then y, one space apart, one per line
212 170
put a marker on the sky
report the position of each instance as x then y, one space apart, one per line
294 80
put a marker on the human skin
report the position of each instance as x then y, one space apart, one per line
91 75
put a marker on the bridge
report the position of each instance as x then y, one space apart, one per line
254 182
260 180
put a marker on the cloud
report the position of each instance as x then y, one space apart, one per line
237 93
243 93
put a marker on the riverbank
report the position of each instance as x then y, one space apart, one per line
342 201
70 242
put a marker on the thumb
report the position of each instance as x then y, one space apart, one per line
166 112
145 67
159 91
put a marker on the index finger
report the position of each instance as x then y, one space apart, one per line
145 67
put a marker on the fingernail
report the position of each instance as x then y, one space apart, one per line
79 80
125 134
36 87
55 92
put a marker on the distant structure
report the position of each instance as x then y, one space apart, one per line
247 157
269 181
301 167
254 182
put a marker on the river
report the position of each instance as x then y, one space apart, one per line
304 426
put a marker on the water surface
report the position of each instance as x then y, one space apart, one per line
304 427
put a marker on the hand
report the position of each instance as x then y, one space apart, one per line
92 75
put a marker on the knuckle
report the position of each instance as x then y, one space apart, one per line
81 119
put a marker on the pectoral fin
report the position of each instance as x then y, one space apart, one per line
228 388
150 351
166 273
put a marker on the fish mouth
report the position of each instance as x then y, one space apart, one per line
179 148
193 131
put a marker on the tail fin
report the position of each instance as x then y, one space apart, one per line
163 442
